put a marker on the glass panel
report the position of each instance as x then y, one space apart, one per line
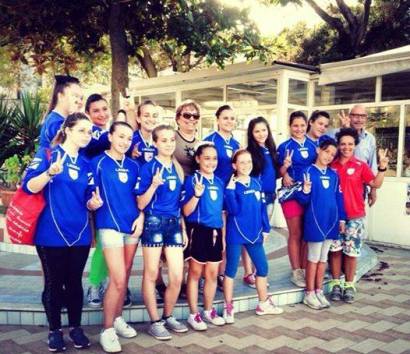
406 152
345 92
297 92
254 93
383 123
167 103
396 86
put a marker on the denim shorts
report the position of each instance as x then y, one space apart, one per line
352 240
162 231
111 238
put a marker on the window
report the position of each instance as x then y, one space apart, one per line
345 92
297 92
396 86
256 93
383 123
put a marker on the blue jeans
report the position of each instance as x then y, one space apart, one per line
161 231
256 253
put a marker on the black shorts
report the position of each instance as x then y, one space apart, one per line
205 243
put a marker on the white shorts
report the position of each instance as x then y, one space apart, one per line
111 238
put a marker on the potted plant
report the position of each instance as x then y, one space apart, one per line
10 175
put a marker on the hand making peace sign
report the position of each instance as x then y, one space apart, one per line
157 179
95 201
199 186
383 159
57 166
307 183
287 162
344 119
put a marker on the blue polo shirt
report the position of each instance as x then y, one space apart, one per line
50 127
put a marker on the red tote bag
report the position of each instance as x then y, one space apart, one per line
22 216
23 213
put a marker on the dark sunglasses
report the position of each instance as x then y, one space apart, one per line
190 115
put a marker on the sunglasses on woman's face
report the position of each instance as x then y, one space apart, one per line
187 115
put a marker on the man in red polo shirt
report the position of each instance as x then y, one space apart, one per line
354 175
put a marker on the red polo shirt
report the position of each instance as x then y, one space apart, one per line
354 175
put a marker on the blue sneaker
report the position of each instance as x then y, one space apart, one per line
79 339
56 341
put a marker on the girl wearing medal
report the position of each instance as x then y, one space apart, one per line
159 189
66 99
247 227
294 155
202 208
142 148
63 234
119 224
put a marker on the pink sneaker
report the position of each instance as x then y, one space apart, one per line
250 280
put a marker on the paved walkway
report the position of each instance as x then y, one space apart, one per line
378 322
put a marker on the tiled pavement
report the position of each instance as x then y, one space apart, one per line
378 322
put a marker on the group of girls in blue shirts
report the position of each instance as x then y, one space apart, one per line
138 191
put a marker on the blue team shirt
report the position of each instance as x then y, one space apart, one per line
98 144
167 197
304 154
147 150
49 129
268 176
247 214
225 149
324 206
208 212
64 220
117 180
318 141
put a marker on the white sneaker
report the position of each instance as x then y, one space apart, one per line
312 301
229 313
94 296
109 341
298 278
212 317
322 299
196 322
123 329
268 308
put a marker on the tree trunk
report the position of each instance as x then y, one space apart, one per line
147 63
119 56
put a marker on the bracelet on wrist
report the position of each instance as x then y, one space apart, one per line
382 169
197 196
50 174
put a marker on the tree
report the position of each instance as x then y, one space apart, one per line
350 23
186 32
388 27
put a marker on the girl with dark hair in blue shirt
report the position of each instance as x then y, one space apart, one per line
63 234
294 155
264 161
247 226
202 208
119 224
66 99
322 224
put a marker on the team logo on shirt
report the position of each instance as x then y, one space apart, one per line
73 173
213 193
148 156
228 151
350 171
325 183
172 182
304 153
123 176
258 195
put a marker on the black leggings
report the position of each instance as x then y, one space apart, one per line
63 267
